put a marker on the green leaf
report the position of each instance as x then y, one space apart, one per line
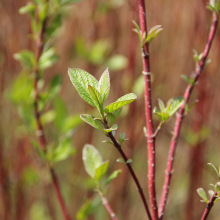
111 118
211 192
113 176
27 58
101 171
163 116
113 128
202 194
174 104
48 58
104 85
81 79
96 98
91 121
70 123
214 168
91 159
48 117
129 161
117 62
120 160
122 138
62 151
137 30
29 8
124 100
161 105
154 31
66 2
217 187
138 86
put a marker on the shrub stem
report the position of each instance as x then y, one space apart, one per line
40 132
148 113
209 206
118 147
180 115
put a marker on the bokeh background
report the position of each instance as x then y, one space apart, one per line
94 35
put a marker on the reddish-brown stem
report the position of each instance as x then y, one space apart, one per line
118 147
107 206
209 206
180 115
40 132
148 112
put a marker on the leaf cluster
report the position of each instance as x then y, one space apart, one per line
95 93
165 112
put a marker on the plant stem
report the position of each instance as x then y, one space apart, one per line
148 112
40 132
180 115
209 206
107 206
118 147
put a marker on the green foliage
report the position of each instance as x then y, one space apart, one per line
27 58
117 62
92 160
154 31
203 195
215 169
113 176
214 6
173 105
91 121
95 93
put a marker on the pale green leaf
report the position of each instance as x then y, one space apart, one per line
96 98
174 104
124 100
104 85
154 31
117 62
91 159
113 176
214 168
113 128
120 160
101 171
91 121
48 58
202 194
27 58
81 79
161 105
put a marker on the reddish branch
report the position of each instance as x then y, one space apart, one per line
118 147
209 206
180 115
107 206
40 132
148 112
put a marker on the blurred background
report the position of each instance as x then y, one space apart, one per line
94 35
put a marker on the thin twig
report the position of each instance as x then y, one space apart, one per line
40 132
180 115
118 147
107 206
148 112
209 206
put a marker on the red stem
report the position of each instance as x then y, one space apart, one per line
40 132
148 112
107 206
180 115
209 206
118 147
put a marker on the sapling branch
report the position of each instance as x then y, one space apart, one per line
40 131
107 205
180 114
118 147
148 113
209 206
